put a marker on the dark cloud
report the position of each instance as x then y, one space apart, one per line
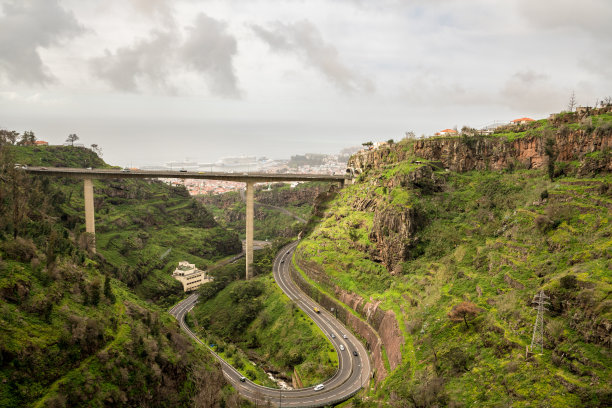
210 50
146 61
529 91
304 39
207 50
27 26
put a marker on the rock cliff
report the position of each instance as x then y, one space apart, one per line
495 153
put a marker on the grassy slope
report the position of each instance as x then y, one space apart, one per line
486 233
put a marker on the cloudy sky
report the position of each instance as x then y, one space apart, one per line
152 81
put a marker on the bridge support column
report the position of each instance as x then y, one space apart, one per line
90 223
249 228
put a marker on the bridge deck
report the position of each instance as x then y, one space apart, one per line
239 177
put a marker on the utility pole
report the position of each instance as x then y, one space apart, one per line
537 339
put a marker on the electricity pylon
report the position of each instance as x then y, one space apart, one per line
537 339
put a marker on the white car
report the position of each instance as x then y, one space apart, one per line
333 336
341 347
344 336
319 387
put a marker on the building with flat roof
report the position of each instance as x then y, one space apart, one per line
190 276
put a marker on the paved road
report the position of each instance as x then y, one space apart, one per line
353 371
240 177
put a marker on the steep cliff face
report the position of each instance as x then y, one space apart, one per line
494 153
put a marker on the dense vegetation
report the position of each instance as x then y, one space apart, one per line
482 245
254 321
73 332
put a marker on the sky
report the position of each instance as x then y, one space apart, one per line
153 81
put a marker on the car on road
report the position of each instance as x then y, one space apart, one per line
242 379
316 309
282 261
344 336
319 387
125 170
333 336
183 171
355 353
341 347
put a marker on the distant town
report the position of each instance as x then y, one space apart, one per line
310 163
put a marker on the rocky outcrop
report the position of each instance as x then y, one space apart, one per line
394 231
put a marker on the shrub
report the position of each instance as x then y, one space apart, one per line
543 223
20 249
568 282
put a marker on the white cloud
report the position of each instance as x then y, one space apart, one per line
209 49
530 91
151 63
303 38
26 27
145 62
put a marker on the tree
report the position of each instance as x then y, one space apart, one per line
95 292
8 136
463 311
367 144
571 105
96 149
27 138
72 138
108 291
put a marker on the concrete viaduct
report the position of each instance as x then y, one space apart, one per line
249 178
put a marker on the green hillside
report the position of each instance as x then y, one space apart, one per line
458 257
79 329
143 227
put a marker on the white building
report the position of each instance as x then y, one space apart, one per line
190 276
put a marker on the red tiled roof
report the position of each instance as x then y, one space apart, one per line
448 131
41 142
522 120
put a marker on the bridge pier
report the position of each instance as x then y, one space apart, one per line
249 228
90 223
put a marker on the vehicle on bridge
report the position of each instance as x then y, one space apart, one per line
319 387
316 309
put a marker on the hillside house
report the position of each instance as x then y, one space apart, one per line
521 121
190 276
446 132
41 143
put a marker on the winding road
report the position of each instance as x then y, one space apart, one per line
353 371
